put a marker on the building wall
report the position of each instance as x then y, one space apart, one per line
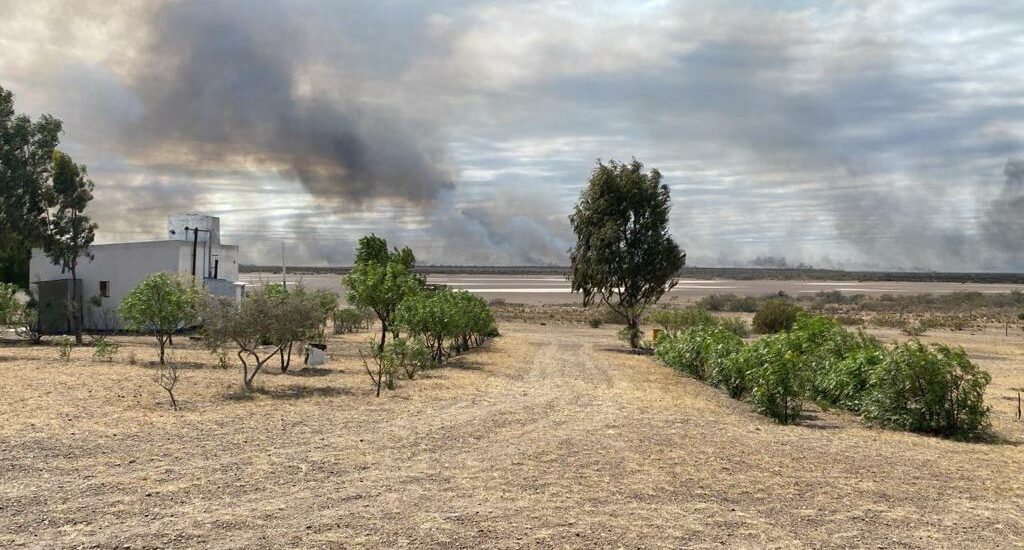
124 265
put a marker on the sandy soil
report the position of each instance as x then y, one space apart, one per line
550 436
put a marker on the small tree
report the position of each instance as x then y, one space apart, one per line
301 316
624 255
167 377
380 281
161 304
69 232
259 328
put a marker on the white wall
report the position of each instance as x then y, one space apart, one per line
123 264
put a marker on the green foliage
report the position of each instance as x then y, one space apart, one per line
410 355
69 232
105 349
935 390
10 307
699 351
162 304
447 321
64 348
735 325
729 302
674 321
827 349
347 320
595 322
844 382
262 326
382 366
624 255
909 386
775 316
778 376
381 281
26 166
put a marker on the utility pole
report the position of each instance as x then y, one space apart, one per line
195 245
284 269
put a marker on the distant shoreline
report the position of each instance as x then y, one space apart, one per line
723 273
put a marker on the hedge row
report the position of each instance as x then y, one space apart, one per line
908 386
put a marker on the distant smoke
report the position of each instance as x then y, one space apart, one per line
1003 224
217 91
776 262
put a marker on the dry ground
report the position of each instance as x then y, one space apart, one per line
551 436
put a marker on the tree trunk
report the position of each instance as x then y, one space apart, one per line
286 358
383 336
77 305
163 343
633 325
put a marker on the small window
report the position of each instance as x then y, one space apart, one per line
105 289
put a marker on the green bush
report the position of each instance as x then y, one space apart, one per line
674 321
730 372
347 320
843 381
64 347
595 322
778 377
775 316
735 325
699 351
449 322
729 302
935 390
104 348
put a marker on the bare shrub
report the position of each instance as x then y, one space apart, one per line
167 377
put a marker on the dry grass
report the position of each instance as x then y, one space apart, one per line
551 436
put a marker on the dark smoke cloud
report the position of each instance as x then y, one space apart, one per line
219 87
836 134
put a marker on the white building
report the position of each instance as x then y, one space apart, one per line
193 247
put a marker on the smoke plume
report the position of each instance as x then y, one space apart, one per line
220 87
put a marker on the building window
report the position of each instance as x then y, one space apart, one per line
105 289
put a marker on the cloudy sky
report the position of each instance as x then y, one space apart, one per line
856 134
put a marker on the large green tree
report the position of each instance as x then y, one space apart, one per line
69 232
380 280
26 164
624 255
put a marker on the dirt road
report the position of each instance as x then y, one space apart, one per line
551 436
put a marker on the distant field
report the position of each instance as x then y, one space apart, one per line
539 289
729 273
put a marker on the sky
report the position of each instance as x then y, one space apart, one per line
869 134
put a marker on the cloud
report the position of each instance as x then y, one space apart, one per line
867 134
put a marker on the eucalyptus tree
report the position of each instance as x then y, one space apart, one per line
624 255
26 164
69 232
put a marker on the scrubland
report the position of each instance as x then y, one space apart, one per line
553 435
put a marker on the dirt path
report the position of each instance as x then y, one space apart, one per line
551 436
